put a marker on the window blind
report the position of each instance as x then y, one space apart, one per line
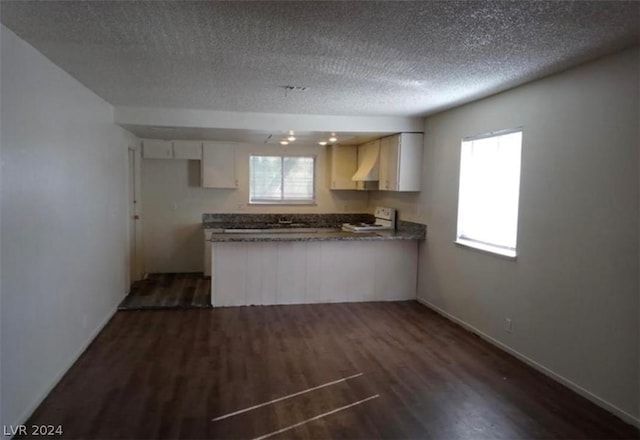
281 179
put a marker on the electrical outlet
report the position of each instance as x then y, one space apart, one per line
508 325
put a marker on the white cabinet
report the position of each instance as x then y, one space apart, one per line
291 271
191 150
243 275
247 273
344 163
400 162
219 165
159 149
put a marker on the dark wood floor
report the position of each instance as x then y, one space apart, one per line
166 374
169 291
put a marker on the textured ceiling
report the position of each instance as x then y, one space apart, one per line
357 58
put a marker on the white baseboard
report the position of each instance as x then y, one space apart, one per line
38 400
553 375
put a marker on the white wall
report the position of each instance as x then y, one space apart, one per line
64 231
573 293
173 203
1 405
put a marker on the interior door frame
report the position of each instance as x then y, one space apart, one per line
136 263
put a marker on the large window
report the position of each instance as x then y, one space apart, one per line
282 179
489 192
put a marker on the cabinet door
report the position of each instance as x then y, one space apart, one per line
344 163
291 272
229 274
388 171
156 149
219 165
191 150
409 165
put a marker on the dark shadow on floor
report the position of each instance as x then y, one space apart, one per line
169 291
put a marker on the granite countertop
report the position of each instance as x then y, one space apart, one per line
316 236
328 228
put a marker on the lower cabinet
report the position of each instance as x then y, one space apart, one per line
207 250
254 273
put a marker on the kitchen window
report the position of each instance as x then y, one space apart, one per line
282 179
489 192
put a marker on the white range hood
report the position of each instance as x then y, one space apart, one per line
367 162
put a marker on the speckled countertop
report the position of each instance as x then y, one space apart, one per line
257 221
317 236
327 228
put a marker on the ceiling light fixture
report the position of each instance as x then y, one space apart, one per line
323 143
291 137
333 138
283 142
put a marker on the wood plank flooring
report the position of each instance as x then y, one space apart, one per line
168 373
169 291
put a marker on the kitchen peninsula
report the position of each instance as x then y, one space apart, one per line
314 261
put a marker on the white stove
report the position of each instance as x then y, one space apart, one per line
385 220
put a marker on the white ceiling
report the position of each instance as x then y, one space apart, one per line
357 58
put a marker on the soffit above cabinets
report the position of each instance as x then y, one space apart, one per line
313 138
356 57
249 136
198 133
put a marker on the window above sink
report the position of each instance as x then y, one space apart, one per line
281 179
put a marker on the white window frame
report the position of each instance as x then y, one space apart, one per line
492 248
311 201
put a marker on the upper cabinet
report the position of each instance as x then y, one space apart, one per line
392 163
343 162
400 162
187 150
159 149
219 165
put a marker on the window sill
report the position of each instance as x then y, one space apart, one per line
289 203
488 249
